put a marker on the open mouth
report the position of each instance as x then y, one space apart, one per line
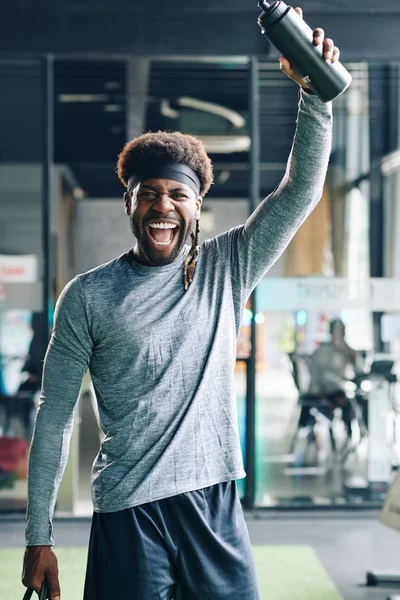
161 234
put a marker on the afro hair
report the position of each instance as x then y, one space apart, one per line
162 145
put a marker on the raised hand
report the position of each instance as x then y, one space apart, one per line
330 53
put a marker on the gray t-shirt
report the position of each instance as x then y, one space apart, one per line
161 360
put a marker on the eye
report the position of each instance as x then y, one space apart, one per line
180 195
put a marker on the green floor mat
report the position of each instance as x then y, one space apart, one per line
292 573
284 573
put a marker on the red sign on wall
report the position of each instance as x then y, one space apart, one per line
18 269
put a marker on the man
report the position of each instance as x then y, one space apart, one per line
333 364
157 328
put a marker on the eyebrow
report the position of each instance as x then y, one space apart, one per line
150 187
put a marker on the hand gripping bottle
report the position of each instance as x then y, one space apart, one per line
294 39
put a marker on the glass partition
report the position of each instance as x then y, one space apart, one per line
21 270
312 448
327 409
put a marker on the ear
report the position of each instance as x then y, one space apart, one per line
199 202
127 201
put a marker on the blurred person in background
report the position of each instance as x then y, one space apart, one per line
157 328
332 365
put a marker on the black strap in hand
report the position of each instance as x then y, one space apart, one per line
44 593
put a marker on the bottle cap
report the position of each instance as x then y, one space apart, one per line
264 5
273 12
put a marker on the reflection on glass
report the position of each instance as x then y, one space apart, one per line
21 345
327 404
317 440
19 387
240 386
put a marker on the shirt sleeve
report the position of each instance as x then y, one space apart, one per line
67 358
256 245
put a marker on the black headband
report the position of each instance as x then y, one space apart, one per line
171 170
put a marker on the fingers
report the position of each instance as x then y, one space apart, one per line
330 51
53 585
328 48
336 54
287 68
319 35
40 563
299 11
32 574
284 64
34 583
52 580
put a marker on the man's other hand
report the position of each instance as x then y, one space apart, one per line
330 53
40 563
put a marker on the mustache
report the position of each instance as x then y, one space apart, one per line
156 218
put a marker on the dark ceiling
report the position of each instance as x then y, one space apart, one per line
92 43
364 29
90 134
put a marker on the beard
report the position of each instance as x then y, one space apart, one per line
157 258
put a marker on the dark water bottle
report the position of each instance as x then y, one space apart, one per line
294 38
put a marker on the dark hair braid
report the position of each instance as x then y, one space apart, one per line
192 258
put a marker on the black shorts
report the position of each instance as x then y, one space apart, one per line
194 546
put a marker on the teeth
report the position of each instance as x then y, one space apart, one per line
162 225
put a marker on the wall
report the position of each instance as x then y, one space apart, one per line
20 209
230 213
20 111
103 232
101 229
185 29
21 226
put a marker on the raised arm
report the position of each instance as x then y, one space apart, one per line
67 358
268 231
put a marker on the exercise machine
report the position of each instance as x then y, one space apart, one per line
381 456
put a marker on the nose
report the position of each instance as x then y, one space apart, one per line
163 204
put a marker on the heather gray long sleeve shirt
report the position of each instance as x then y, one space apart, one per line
161 360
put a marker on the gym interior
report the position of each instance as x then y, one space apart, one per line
80 79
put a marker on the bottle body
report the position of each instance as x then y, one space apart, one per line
294 39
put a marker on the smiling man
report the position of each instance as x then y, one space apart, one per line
166 175
157 328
